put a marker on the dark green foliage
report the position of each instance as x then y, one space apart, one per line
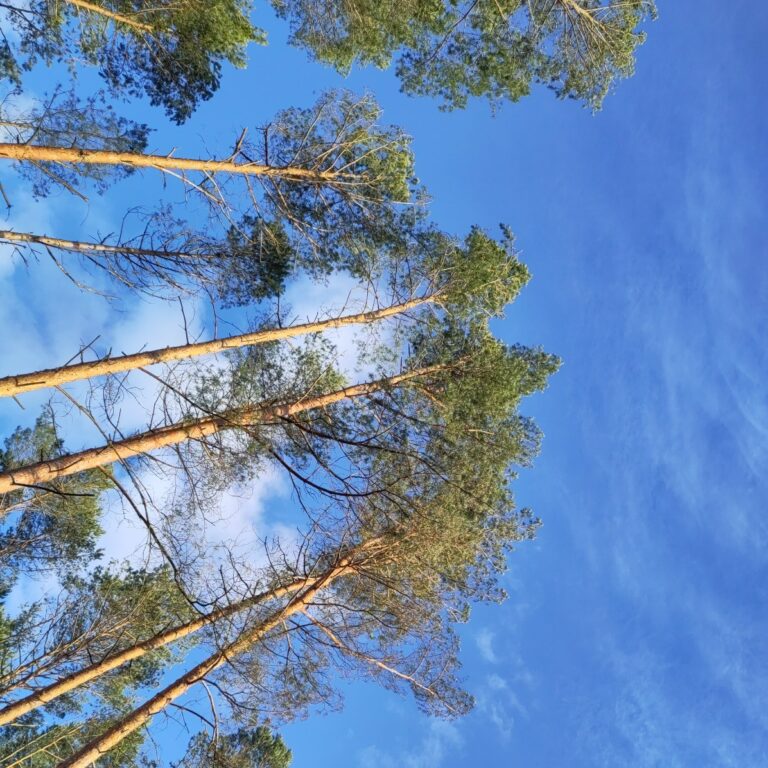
357 213
477 279
257 748
53 527
458 49
9 68
259 260
369 31
451 49
15 632
177 62
28 40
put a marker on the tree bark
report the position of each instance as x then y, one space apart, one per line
80 246
46 471
75 156
118 17
81 677
11 386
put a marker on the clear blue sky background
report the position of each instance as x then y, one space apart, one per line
635 630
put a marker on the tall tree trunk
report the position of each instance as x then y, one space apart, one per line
143 714
9 236
145 442
75 156
51 377
81 677
117 17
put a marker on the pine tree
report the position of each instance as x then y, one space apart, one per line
433 270
53 528
389 570
95 615
263 387
169 50
497 49
257 748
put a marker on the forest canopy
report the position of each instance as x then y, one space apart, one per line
390 413
173 51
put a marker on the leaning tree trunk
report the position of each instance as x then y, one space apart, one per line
145 442
11 386
111 15
74 156
80 246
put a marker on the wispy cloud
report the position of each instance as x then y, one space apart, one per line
440 741
675 532
484 642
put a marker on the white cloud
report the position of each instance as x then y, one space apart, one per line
440 740
484 641
675 425
310 300
499 698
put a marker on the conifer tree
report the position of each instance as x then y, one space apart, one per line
390 569
93 649
336 145
400 479
319 190
459 49
405 486
169 50
257 748
263 388
51 529
95 615
432 270
451 49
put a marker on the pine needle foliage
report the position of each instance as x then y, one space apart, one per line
456 50
172 51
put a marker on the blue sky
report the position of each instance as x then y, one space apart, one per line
635 630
